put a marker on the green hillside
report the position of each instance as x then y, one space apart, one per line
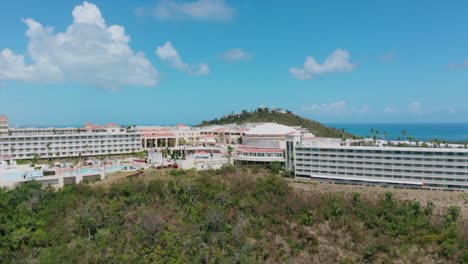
281 117
227 216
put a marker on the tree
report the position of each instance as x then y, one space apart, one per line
48 145
230 149
34 159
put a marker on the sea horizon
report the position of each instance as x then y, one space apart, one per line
453 132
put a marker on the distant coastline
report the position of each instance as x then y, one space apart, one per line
450 132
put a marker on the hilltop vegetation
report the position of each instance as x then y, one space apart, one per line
281 117
226 216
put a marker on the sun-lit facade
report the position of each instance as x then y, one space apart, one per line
89 140
416 167
264 144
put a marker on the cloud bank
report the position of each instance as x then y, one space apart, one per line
462 65
201 10
88 52
338 108
170 55
338 61
236 55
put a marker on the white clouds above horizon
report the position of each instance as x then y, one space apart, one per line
388 57
88 52
200 10
337 108
338 61
171 56
463 65
236 54
416 108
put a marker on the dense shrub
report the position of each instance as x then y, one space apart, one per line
224 216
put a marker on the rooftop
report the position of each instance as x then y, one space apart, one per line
272 129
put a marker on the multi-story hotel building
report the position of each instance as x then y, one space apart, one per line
264 144
445 168
90 140
170 137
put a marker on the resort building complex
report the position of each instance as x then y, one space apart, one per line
364 161
110 139
90 140
180 135
332 160
264 143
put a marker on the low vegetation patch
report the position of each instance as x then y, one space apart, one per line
225 216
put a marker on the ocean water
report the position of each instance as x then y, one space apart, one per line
423 132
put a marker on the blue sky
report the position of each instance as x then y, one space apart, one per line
166 61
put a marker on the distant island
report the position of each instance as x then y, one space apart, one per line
284 117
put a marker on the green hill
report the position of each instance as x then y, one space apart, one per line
227 216
281 117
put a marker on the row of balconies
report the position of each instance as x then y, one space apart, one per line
370 162
439 155
422 157
70 147
383 168
427 180
392 172
44 142
36 139
382 160
387 166
415 158
67 154
383 151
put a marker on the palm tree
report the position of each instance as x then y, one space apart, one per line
48 149
403 132
230 149
34 159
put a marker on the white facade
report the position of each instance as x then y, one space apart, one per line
92 140
445 168
264 143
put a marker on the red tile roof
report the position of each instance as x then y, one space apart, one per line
112 125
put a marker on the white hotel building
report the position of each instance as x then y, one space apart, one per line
90 140
445 168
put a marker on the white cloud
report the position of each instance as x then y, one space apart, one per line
390 110
451 109
338 61
170 55
463 65
388 57
203 10
203 69
415 107
88 52
236 55
335 108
